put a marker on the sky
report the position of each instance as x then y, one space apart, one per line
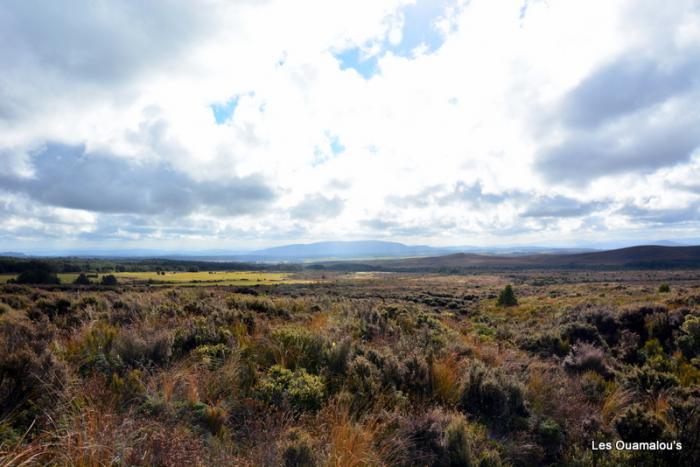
251 123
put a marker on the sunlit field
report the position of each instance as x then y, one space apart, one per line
185 278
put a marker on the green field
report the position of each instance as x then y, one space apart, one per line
186 278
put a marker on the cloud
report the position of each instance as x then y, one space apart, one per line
70 177
560 206
238 122
663 216
471 194
317 207
636 111
641 145
628 85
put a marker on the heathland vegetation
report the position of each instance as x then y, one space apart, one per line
326 368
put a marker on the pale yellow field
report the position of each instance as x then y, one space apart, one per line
188 278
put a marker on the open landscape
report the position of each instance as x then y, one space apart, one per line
352 368
330 233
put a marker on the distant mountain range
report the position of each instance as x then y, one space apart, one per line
643 257
345 250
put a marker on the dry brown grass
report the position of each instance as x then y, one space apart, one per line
446 375
617 399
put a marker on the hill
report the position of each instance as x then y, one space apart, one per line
643 257
341 249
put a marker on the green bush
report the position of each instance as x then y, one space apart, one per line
689 342
196 332
507 297
664 288
37 276
109 279
82 279
545 345
299 389
297 449
212 418
457 440
129 388
143 350
299 348
493 396
30 375
636 424
212 356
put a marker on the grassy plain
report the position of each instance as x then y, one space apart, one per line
352 369
185 278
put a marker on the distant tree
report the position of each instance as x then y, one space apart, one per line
193 269
507 297
82 279
120 268
109 279
37 276
664 288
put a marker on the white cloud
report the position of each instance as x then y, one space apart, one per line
485 107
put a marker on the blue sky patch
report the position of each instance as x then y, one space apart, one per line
224 112
419 30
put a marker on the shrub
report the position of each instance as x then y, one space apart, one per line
129 388
415 377
545 345
297 449
298 348
664 288
30 376
689 342
492 395
633 319
363 380
51 309
212 418
593 385
435 438
137 350
507 297
457 440
212 356
94 351
581 332
338 356
647 380
300 389
605 322
550 434
82 279
199 331
584 357
636 424
37 276
109 280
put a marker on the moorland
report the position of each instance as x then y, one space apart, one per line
322 367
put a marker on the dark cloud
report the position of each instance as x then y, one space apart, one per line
690 213
635 114
627 86
67 176
560 206
634 147
50 49
318 207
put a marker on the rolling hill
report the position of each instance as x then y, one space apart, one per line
643 257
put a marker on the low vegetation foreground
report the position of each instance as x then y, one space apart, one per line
348 369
